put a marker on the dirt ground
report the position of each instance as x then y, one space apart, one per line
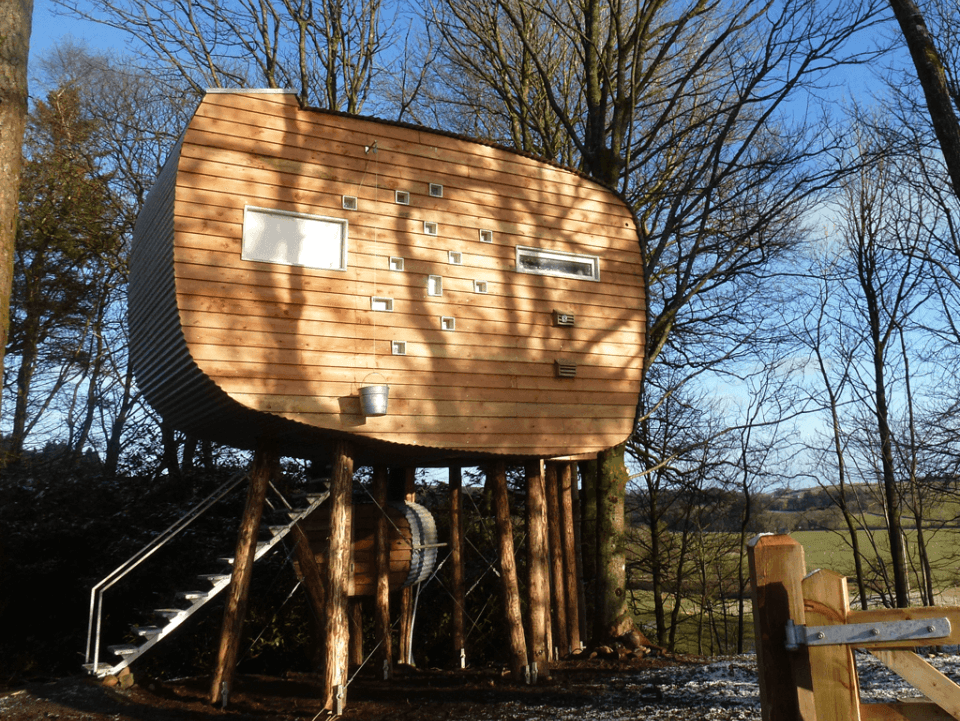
428 694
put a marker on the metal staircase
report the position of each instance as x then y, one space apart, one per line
285 516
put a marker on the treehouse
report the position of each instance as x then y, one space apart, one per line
310 276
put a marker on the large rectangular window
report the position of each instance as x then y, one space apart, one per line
557 263
279 236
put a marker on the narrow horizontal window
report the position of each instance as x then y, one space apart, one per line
287 238
381 304
557 263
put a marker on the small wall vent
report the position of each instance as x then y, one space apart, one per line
402 197
564 319
349 202
436 190
565 369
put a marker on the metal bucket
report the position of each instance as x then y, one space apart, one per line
373 400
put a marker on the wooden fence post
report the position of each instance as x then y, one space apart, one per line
777 568
338 566
266 466
826 603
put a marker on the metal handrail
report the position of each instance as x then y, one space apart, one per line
96 593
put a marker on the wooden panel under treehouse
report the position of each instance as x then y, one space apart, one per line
287 257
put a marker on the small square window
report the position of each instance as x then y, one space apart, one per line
434 285
398 347
431 228
448 323
486 236
349 202
403 197
381 304
396 263
479 286
455 257
436 190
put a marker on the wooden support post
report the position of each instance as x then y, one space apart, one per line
312 579
509 586
565 476
457 589
777 568
356 630
554 524
827 603
338 567
381 615
538 553
266 466
406 594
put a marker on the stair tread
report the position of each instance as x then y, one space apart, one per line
147 630
123 649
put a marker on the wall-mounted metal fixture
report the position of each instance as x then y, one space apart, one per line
455 257
565 369
398 347
402 197
436 190
434 285
486 236
430 228
564 319
381 304
396 263
349 202
448 323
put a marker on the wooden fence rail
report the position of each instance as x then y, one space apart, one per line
806 634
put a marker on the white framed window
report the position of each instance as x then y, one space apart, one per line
455 257
434 285
430 228
436 190
398 347
299 239
396 263
479 286
381 304
486 236
448 323
349 202
402 197
557 263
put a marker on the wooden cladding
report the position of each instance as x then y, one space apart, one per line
310 249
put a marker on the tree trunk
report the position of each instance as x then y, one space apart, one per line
381 614
312 579
16 17
356 631
338 566
615 619
408 476
560 638
565 477
266 465
933 80
509 587
538 553
588 536
456 560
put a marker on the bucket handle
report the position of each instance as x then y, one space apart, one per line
375 373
